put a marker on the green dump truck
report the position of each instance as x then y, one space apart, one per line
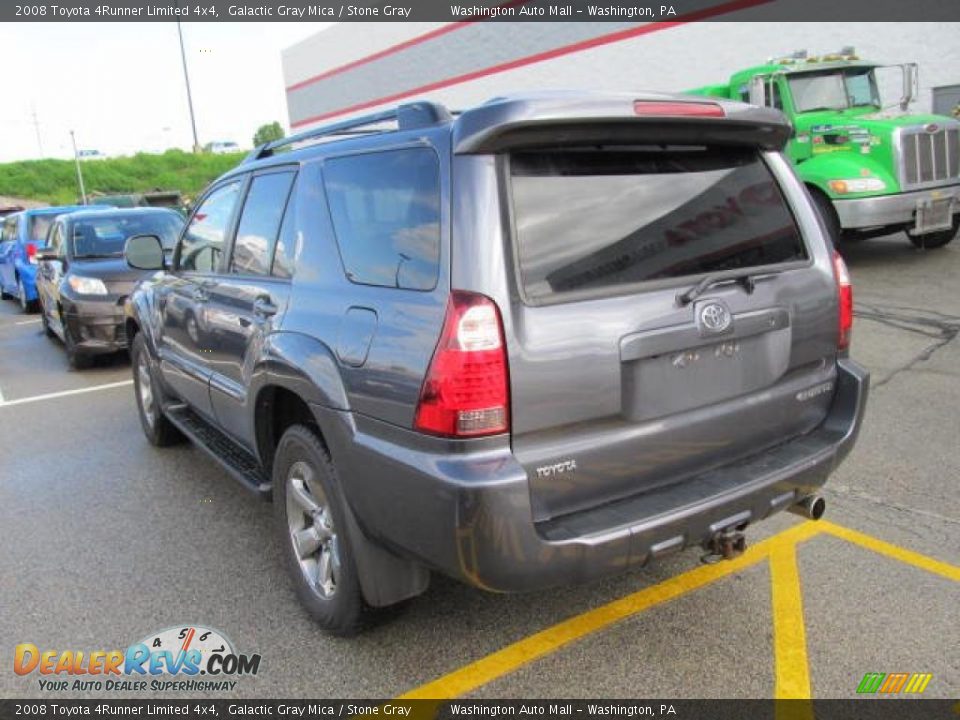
872 169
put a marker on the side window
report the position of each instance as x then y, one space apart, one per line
385 209
260 223
777 100
202 243
9 229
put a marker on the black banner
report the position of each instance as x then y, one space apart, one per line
471 10
853 709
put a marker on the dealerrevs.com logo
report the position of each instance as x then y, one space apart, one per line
189 657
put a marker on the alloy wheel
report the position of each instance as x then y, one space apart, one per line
312 531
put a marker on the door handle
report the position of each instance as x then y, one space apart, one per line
263 307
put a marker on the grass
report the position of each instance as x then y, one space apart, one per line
55 181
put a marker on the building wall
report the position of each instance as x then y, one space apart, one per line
361 67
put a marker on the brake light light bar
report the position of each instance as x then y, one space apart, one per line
647 108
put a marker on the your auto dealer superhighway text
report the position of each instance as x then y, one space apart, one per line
318 11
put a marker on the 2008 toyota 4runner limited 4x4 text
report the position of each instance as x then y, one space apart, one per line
546 340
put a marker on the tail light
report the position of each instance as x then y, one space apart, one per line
32 252
845 298
465 391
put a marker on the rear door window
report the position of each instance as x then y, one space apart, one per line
260 223
385 208
598 221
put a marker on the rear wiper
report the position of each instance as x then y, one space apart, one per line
748 280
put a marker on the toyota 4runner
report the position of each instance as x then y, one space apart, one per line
538 342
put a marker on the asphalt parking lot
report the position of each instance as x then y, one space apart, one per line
106 539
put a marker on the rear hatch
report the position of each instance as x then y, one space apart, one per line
618 384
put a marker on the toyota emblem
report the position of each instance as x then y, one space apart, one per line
714 318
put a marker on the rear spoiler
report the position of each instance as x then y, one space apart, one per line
506 124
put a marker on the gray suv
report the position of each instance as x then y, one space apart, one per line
538 342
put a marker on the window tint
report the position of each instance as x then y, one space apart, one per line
600 220
202 243
386 214
259 223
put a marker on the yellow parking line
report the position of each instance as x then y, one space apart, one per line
791 669
938 567
547 641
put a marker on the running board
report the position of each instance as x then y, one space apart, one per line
235 460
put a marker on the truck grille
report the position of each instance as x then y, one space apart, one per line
929 158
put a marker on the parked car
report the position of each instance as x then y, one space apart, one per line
223 147
84 280
23 234
551 339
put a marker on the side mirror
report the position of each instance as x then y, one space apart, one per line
144 252
46 255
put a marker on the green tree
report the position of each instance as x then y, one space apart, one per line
268 133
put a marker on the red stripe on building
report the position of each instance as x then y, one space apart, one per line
580 46
393 49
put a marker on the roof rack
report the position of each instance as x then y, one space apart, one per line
410 116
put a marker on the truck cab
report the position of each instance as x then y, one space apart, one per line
873 168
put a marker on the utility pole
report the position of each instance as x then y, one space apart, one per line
76 160
36 126
186 79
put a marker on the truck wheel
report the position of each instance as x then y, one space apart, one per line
159 431
829 215
936 239
312 528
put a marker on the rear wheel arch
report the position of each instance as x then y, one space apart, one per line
277 408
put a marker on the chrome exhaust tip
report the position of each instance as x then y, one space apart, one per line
811 507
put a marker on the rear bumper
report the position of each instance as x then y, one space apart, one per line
469 515
97 326
896 209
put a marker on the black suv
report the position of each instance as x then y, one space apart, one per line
546 340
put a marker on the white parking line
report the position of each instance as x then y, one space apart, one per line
63 393
27 322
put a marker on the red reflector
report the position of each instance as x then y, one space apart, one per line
675 109
465 391
845 299
31 250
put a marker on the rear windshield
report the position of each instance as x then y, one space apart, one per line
106 236
38 226
598 220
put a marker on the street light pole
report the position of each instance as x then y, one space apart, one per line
186 79
76 160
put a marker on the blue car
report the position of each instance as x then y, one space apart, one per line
24 234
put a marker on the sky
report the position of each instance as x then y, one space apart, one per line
120 86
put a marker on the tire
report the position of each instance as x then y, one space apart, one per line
78 360
26 306
159 430
45 321
307 503
934 240
829 215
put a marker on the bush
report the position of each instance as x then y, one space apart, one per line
55 181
